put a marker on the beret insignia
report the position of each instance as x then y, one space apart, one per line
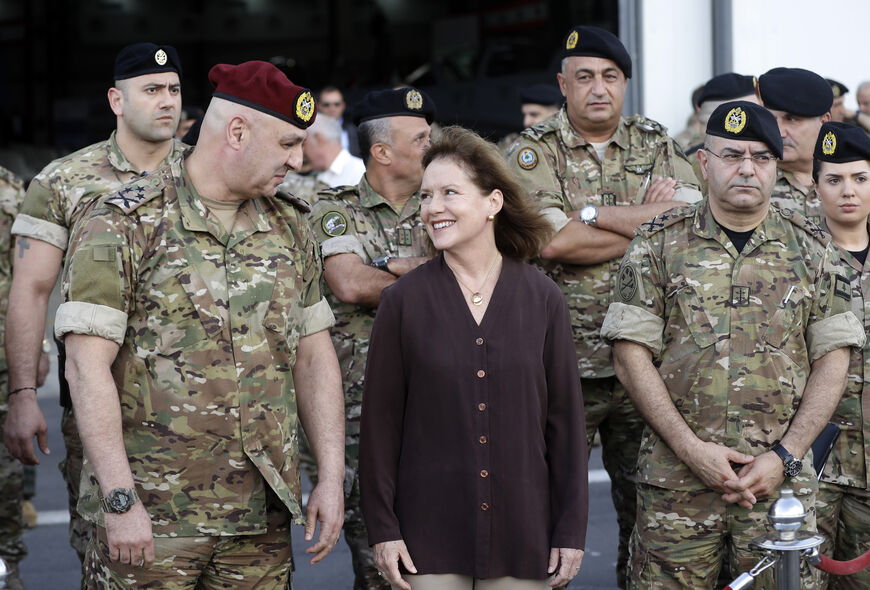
735 120
414 100
334 224
572 40
304 106
829 143
527 158
160 57
836 90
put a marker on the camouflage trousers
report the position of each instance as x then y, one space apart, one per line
239 562
12 548
682 538
843 516
80 530
610 412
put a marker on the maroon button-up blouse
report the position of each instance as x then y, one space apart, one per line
473 443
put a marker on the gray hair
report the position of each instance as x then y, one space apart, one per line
863 86
371 132
326 127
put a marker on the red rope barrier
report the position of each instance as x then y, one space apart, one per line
844 568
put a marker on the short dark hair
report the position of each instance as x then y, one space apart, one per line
520 229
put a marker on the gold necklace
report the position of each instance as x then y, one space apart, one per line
476 297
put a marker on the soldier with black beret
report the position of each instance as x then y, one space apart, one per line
801 101
537 102
731 326
596 176
370 235
839 113
146 101
842 177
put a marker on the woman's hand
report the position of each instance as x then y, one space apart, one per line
568 561
387 557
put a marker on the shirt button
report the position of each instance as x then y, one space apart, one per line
481 406
484 473
482 440
479 341
484 506
481 373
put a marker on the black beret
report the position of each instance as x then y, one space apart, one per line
839 89
796 91
408 102
547 94
746 121
841 142
146 58
595 42
728 87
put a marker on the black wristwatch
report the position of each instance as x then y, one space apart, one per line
792 466
119 500
381 262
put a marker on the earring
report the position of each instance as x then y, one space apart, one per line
491 217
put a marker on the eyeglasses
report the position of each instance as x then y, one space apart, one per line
330 104
737 159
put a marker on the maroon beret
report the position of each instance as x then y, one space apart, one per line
262 86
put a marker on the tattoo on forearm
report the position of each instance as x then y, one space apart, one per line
23 245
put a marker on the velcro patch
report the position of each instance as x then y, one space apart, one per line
104 254
627 282
842 289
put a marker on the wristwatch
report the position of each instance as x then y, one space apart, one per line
381 262
792 466
589 215
119 500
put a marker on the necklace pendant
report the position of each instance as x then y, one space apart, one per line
476 298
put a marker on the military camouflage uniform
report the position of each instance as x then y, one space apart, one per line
12 548
304 186
733 336
788 193
357 220
207 323
843 502
562 172
56 198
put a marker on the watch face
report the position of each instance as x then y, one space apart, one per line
587 213
793 468
119 500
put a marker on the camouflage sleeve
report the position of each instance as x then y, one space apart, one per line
688 188
42 216
317 314
98 279
534 165
637 308
335 231
831 324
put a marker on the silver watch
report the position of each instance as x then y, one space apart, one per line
589 215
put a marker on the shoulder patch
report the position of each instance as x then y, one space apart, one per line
334 224
297 202
527 158
627 282
129 197
666 219
803 223
648 125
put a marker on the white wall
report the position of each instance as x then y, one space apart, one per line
829 38
677 56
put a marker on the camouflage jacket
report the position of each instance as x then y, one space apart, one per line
11 195
562 173
355 219
304 186
851 454
732 334
207 323
60 194
788 193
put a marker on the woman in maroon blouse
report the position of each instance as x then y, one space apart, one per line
473 466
